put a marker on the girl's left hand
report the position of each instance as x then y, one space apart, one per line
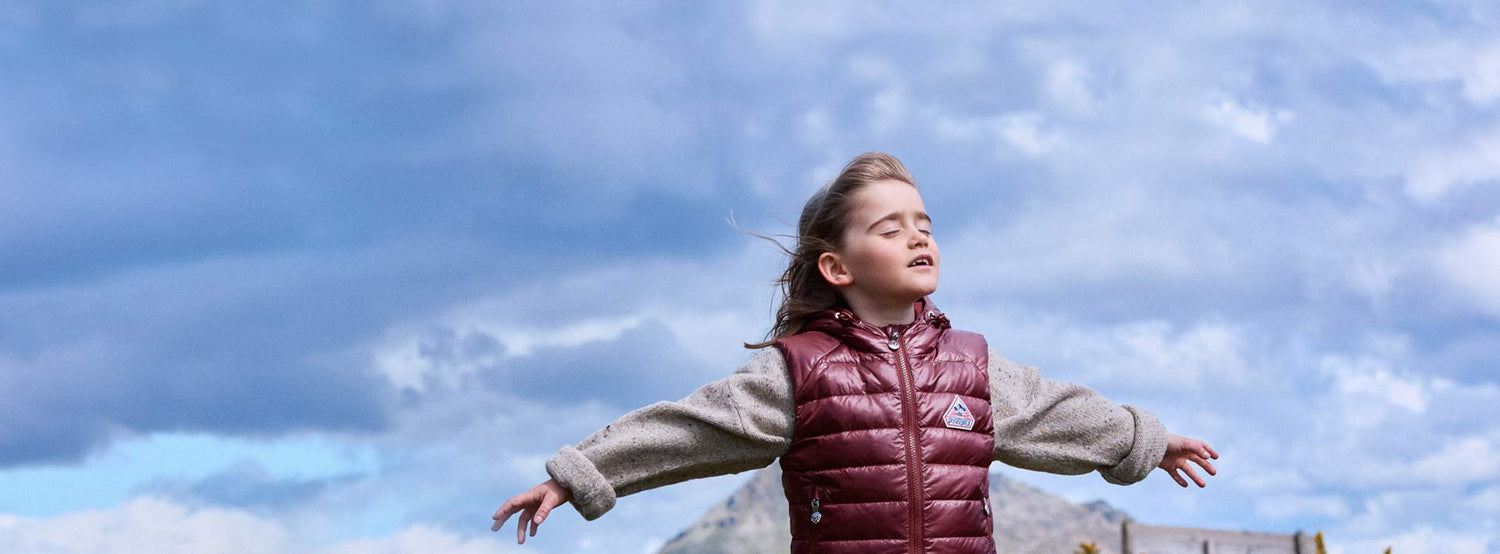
534 506
1182 453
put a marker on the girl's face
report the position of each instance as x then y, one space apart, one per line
888 256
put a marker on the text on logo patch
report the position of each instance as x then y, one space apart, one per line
958 415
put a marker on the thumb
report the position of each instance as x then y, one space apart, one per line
548 502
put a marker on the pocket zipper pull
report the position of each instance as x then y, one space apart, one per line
816 515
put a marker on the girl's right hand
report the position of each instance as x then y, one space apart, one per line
1182 453
534 505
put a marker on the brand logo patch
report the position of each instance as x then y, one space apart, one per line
958 415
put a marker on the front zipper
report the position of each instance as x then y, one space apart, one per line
913 458
909 415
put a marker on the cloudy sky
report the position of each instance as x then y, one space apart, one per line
333 277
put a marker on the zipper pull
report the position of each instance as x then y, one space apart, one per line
816 515
984 497
895 341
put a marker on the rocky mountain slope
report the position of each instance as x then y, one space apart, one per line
753 520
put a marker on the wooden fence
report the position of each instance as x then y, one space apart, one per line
1136 538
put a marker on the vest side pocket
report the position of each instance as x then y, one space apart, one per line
810 515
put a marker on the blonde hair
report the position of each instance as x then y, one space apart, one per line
804 292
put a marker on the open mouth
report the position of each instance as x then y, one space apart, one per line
921 261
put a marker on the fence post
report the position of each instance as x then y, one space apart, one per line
1126 546
1297 543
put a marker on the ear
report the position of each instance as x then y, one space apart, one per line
833 270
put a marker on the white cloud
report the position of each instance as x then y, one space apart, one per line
1122 233
1146 355
817 127
1067 87
1472 62
1485 500
1437 171
147 526
1154 353
1423 538
1406 428
1366 385
710 315
1482 79
1464 460
1248 121
422 539
1373 278
887 109
793 25
1472 262
150 525
1025 132
1294 506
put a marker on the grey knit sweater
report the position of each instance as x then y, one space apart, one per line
744 422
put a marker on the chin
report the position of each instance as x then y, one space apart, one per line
922 292
930 287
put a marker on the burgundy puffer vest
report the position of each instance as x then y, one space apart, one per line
893 437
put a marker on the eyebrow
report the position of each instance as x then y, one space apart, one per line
897 215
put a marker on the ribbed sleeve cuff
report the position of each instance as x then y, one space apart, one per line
1147 451
592 494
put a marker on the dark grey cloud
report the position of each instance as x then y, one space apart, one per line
644 364
245 348
205 210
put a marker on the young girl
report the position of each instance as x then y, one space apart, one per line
884 417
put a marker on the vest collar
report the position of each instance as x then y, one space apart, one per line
919 336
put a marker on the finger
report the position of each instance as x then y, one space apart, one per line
1196 479
521 527
503 514
1212 453
510 507
1207 465
1176 477
541 515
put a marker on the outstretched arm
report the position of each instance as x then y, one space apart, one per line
1182 453
1057 427
738 423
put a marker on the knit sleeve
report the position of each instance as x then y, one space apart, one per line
1057 427
737 423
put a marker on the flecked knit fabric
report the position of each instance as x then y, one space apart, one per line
744 422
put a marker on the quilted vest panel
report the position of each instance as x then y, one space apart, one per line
893 436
